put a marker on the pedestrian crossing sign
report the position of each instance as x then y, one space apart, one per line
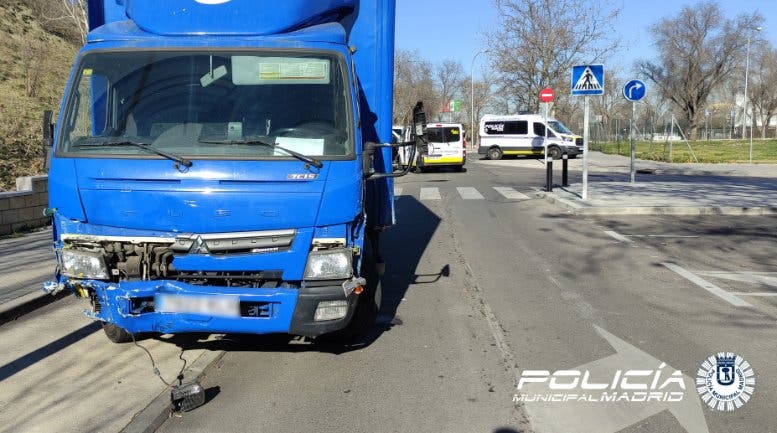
588 80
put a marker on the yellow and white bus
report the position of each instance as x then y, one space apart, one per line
446 147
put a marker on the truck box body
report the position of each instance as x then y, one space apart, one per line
222 232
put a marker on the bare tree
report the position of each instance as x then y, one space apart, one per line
611 104
763 93
66 18
483 97
33 62
698 50
412 83
538 41
449 75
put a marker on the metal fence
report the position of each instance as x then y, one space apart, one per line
618 130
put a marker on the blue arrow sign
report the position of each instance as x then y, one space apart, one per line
588 80
634 90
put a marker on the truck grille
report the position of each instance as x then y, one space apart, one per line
234 243
149 258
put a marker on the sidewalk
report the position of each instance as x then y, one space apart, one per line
672 189
25 263
59 372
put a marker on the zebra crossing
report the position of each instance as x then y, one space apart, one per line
462 192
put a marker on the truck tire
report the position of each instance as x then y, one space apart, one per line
495 153
116 334
554 152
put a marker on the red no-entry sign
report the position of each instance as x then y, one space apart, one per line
547 95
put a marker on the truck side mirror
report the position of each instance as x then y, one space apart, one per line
418 132
48 137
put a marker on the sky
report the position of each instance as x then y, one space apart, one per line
441 29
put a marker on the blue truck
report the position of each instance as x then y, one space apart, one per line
218 166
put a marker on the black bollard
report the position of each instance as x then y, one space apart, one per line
565 170
549 173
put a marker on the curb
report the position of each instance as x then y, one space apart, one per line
586 210
16 308
157 412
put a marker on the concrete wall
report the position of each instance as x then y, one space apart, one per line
23 208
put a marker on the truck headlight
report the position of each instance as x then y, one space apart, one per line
82 264
329 264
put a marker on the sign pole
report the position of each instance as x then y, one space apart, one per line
632 170
546 97
545 141
587 80
585 148
633 91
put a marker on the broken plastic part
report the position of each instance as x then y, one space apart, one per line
53 287
350 285
187 397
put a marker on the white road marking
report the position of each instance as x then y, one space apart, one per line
397 191
430 194
662 236
469 193
510 193
706 285
618 236
744 277
760 294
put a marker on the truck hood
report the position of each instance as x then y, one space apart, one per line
212 196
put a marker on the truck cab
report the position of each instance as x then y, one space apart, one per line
213 168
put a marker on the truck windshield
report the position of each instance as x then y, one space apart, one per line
559 127
208 105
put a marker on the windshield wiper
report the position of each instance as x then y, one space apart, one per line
177 159
254 142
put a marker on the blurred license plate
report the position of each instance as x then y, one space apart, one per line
224 306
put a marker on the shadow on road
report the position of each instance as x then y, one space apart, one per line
50 349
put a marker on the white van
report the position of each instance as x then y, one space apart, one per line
401 155
524 134
446 147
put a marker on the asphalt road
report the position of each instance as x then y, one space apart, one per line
484 282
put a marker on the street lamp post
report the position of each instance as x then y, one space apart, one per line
744 104
472 97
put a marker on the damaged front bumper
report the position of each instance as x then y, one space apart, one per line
139 306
